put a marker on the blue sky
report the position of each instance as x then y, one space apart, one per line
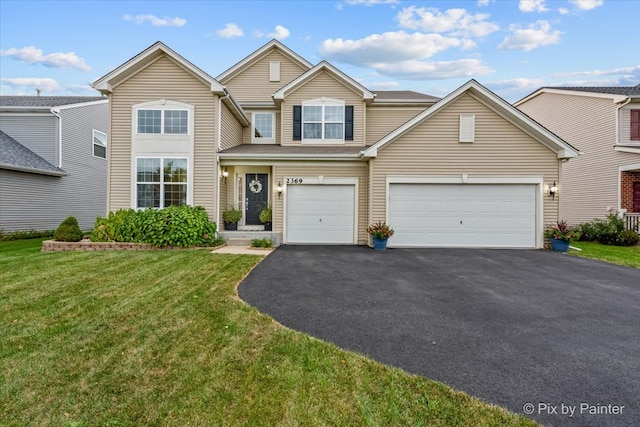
512 47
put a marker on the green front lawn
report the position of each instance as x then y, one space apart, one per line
623 255
161 338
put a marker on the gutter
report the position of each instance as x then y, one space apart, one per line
628 100
56 113
32 170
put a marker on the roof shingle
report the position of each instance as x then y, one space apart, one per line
16 156
45 101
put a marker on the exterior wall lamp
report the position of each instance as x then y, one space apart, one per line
225 174
553 190
279 189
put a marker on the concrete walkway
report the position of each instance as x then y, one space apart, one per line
242 250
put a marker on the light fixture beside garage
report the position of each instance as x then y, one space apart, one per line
553 190
279 189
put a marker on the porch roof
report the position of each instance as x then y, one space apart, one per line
309 152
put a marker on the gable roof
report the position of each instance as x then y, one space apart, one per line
402 96
617 93
323 66
15 156
493 101
260 52
105 83
46 102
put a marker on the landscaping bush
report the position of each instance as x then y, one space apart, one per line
261 243
179 226
68 231
6 236
610 231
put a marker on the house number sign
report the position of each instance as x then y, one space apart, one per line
294 181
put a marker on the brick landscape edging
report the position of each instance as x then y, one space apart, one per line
85 245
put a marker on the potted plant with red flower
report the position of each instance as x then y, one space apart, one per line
560 236
380 232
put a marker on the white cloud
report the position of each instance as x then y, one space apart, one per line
587 4
532 6
484 2
155 21
623 76
371 2
280 33
386 47
453 21
44 84
34 55
563 11
426 70
535 35
230 30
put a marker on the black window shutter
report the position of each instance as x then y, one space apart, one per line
348 123
297 122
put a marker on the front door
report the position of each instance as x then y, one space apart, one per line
636 196
256 196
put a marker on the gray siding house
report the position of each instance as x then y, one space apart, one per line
53 160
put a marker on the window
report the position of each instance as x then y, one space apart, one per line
635 125
163 121
99 144
161 182
263 128
323 120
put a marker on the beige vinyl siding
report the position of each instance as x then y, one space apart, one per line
315 169
589 182
432 149
323 85
253 85
382 120
163 79
231 129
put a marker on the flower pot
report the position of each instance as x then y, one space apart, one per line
268 226
559 245
379 244
230 225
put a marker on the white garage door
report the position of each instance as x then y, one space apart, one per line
320 214
467 215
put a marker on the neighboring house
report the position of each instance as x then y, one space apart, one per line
330 155
53 162
604 124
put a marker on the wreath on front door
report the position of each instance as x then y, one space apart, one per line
255 186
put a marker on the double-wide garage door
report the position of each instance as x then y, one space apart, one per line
463 215
320 214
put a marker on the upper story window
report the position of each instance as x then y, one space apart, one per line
99 144
163 121
323 120
263 128
635 125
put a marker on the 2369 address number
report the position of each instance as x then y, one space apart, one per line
294 180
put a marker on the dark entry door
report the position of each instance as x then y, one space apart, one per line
636 196
256 196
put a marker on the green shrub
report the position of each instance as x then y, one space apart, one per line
261 243
24 234
232 215
610 231
179 226
68 231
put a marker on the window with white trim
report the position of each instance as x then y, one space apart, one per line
163 121
263 128
161 182
99 144
323 120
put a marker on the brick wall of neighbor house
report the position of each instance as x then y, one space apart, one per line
626 189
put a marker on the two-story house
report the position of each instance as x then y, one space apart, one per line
328 154
604 124
53 160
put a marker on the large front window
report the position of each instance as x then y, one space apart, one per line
161 182
163 121
323 122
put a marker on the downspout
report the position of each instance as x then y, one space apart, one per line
628 100
219 148
57 114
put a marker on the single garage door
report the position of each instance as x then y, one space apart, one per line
463 215
320 213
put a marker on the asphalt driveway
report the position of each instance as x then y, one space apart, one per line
510 327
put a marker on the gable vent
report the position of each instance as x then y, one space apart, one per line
467 128
274 71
